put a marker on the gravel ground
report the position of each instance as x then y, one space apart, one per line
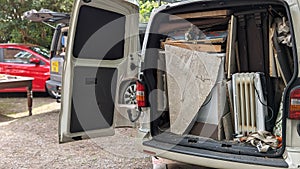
32 142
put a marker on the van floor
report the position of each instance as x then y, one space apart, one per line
213 145
163 142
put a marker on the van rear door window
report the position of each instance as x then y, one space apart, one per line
99 34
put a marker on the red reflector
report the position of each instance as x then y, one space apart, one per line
140 94
295 104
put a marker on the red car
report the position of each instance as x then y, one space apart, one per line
25 60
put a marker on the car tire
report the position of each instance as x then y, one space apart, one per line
129 94
54 94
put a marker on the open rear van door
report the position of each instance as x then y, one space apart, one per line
102 42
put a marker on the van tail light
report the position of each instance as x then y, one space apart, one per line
295 104
140 94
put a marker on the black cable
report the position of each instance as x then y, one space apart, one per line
130 115
207 101
269 107
278 121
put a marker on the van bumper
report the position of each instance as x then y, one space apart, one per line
53 85
201 157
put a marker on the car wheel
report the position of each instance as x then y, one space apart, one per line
129 95
54 94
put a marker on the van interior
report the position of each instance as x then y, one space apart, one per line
216 74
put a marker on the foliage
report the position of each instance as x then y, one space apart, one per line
146 8
13 28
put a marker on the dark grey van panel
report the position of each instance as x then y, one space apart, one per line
94 89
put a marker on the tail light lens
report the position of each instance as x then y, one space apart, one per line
140 94
295 104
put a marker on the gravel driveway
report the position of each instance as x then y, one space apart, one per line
32 142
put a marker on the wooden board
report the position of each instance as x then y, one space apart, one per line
196 47
230 66
209 41
272 61
203 23
228 127
206 14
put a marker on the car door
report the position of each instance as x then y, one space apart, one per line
16 61
102 42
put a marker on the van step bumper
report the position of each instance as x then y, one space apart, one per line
197 152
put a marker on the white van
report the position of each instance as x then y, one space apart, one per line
218 80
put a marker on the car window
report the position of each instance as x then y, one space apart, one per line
40 50
61 48
22 55
16 56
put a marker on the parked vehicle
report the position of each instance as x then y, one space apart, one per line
25 60
57 55
57 52
58 45
218 81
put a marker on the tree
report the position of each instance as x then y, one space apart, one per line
13 28
146 7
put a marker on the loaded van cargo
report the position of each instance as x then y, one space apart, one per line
217 85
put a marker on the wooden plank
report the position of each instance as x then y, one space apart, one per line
237 57
217 40
272 61
197 47
229 95
230 51
167 27
283 69
228 127
205 41
206 14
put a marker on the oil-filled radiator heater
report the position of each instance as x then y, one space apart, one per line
250 105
